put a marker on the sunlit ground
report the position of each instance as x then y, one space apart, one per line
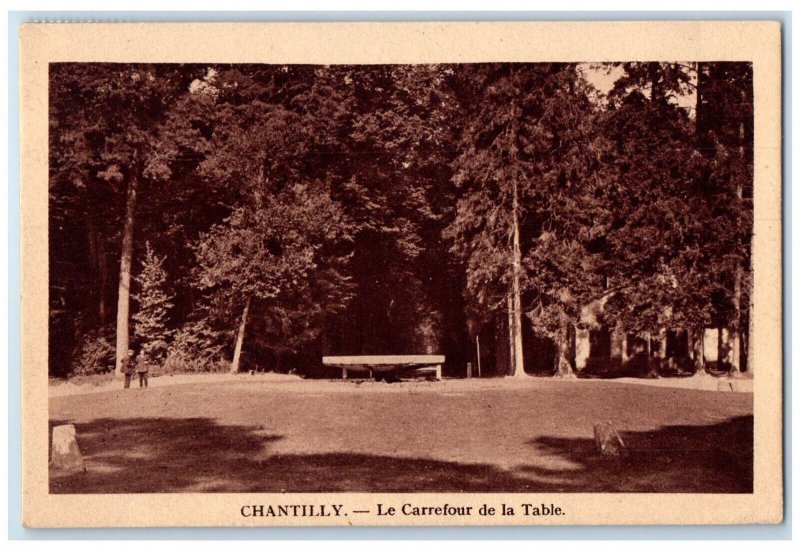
254 435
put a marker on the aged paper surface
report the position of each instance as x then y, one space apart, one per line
405 43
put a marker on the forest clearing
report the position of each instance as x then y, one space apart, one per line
537 236
284 434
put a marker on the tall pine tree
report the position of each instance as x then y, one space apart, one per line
154 305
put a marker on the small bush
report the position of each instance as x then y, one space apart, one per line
95 354
195 349
179 361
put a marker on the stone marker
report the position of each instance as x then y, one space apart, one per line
65 453
608 441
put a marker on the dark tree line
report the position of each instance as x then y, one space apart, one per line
216 216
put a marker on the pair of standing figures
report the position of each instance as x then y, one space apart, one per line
130 367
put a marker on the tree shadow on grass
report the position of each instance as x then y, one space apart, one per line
198 455
138 455
716 458
150 455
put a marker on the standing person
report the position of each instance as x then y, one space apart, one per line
143 370
127 368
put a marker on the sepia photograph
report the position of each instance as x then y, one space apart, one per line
516 277
490 277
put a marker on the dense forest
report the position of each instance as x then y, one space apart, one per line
257 217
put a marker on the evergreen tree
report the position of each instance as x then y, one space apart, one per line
527 179
151 319
679 178
114 136
375 209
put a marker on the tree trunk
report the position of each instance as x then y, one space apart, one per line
126 257
515 301
624 354
478 353
734 331
661 358
237 351
516 361
510 325
564 360
698 338
662 343
736 366
698 350
582 346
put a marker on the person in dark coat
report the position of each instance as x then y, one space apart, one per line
143 370
128 368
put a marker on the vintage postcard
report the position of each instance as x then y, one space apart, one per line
351 274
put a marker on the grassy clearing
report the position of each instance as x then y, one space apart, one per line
93 380
251 435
